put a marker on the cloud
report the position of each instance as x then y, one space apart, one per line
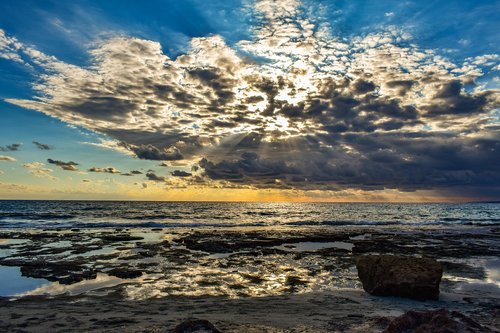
150 152
132 173
12 147
105 170
7 158
42 146
13 187
180 173
368 162
33 165
297 106
37 169
9 48
154 177
68 166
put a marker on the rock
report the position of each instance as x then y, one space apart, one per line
120 238
124 273
64 272
195 325
438 321
416 278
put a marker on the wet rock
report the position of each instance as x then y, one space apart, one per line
64 273
438 321
195 325
294 283
228 242
416 278
124 273
255 279
75 278
120 238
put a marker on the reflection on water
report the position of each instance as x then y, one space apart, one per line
244 274
13 283
493 270
85 286
235 283
490 286
186 263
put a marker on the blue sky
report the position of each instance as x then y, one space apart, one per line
452 32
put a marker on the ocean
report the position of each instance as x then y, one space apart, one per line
16 214
144 250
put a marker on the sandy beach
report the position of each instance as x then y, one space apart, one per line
339 311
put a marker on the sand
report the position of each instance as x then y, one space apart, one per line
339 311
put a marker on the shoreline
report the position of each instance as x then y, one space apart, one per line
341 311
250 279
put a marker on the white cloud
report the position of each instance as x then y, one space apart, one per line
7 158
37 169
33 165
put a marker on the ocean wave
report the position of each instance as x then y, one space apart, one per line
100 214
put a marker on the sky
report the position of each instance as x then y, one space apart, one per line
251 100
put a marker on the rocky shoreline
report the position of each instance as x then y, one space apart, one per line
266 279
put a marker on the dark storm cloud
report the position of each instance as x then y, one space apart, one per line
248 165
103 108
220 84
68 166
150 152
180 173
371 162
104 170
403 86
363 87
132 173
451 100
42 146
12 147
154 177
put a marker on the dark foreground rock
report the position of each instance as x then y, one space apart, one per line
416 278
124 273
195 325
438 321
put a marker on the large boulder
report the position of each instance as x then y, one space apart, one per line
438 321
385 275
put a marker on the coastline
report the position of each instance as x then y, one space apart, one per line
252 279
